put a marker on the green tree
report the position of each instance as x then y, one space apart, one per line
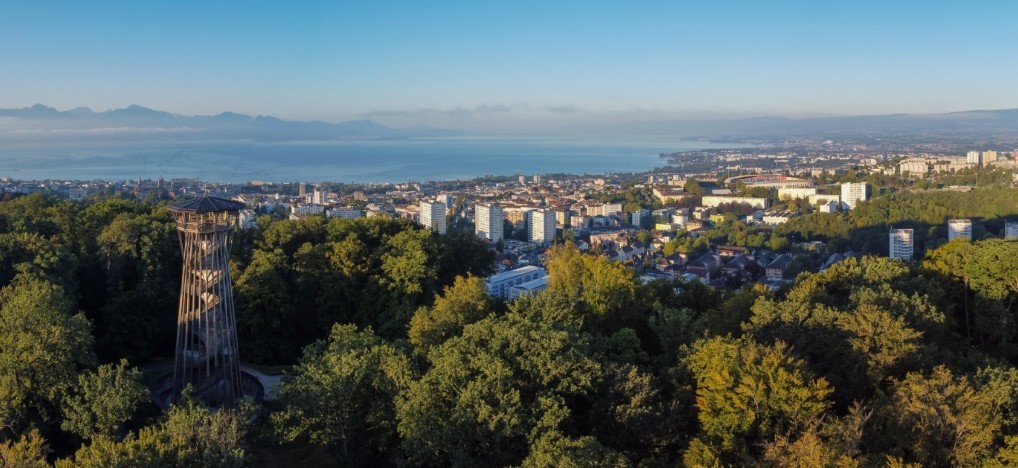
190 434
492 392
103 400
603 287
461 304
747 393
342 396
29 451
694 187
940 420
42 347
265 310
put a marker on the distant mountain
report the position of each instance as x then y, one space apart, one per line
43 122
142 122
988 122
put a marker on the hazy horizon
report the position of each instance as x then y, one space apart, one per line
476 66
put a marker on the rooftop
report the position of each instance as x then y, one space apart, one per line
207 204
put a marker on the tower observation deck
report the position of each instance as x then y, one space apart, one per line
206 349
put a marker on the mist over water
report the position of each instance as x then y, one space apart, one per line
335 161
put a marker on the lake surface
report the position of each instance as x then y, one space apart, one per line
335 161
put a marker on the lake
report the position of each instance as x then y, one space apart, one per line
335 161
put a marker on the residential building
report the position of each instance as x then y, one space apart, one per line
500 284
320 196
541 226
345 212
432 215
828 207
853 193
1011 229
902 244
822 198
959 228
914 166
637 217
518 216
703 265
778 217
446 198
247 219
714 201
669 193
529 288
795 193
777 268
562 216
973 158
307 209
488 222
989 156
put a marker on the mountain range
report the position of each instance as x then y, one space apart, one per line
137 121
43 122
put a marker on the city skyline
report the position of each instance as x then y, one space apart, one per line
521 65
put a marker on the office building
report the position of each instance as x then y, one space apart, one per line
488 222
959 228
432 215
902 244
853 193
541 226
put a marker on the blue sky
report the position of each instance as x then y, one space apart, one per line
478 64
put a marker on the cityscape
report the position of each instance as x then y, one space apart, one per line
639 220
593 234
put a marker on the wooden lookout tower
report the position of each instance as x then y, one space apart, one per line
206 350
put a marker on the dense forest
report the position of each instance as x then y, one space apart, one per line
396 355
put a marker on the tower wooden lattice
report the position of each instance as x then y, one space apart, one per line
206 351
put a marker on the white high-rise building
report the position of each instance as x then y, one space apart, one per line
432 215
959 228
972 157
1011 230
853 193
902 244
320 196
542 226
537 179
523 180
488 222
449 200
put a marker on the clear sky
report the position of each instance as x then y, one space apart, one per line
479 63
